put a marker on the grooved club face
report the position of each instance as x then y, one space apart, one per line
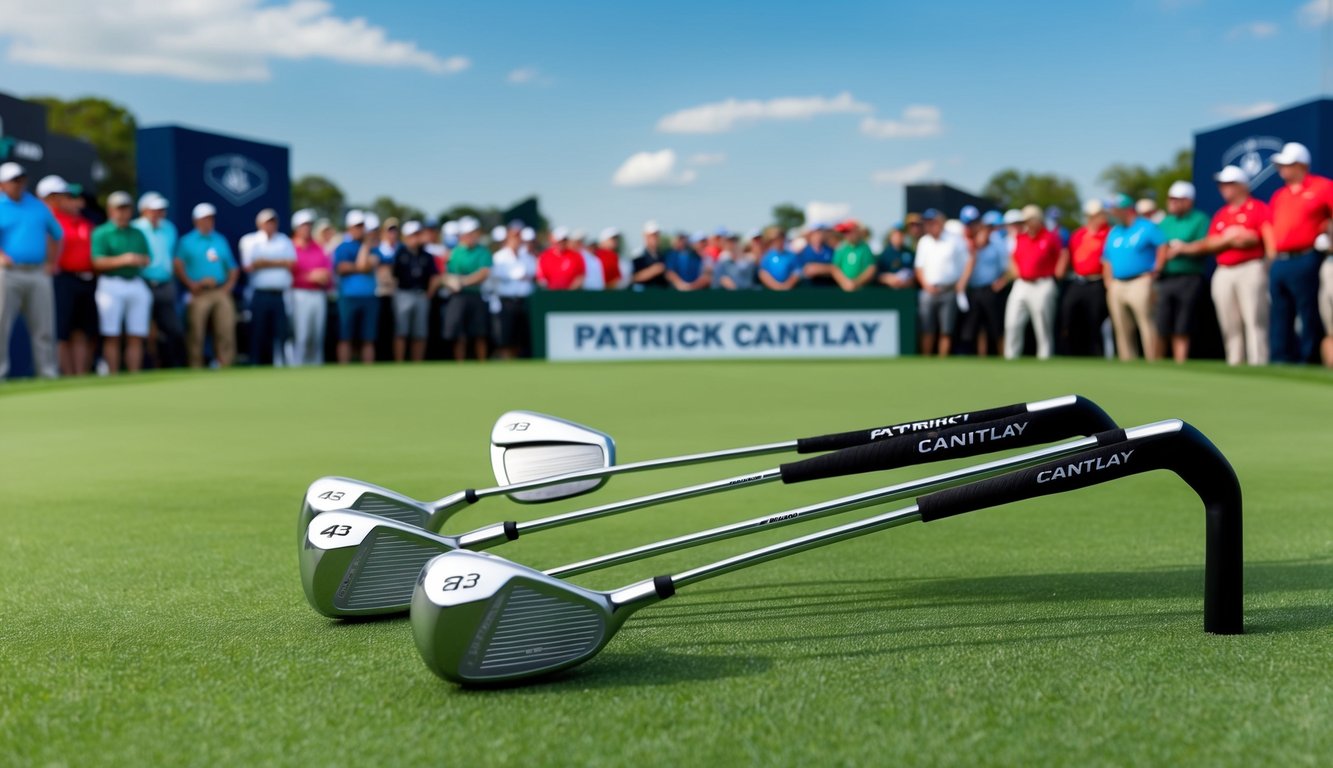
528 446
354 564
481 619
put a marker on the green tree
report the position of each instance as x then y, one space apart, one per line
788 217
106 125
386 207
1139 181
1012 188
318 194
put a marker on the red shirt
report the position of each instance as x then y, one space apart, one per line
1085 250
1299 216
1250 214
1035 256
76 253
558 268
610 266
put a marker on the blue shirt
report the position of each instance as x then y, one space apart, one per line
204 256
161 247
992 258
1131 251
24 227
357 283
779 265
687 264
813 255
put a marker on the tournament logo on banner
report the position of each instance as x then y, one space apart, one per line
14 148
1254 156
236 177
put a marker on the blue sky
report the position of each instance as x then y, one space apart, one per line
728 107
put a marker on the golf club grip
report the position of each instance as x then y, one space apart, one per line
1081 417
839 440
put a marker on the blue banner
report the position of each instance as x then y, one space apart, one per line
1251 144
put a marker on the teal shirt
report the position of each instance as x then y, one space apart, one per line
204 256
161 248
1187 229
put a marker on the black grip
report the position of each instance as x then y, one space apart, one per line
1080 417
840 440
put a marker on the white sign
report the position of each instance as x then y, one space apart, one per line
721 334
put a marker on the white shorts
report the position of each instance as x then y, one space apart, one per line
123 302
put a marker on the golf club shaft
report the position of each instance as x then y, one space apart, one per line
814 511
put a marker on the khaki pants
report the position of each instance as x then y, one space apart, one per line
1130 302
1240 294
1030 300
29 291
217 304
1326 295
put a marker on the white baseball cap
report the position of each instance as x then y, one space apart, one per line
303 216
354 218
152 201
1093 207
1292 152
118 200
268 214
1013 216
1181 190
499 233
203 211
1232 174
559 233
52 185
411 228
1145 207
528 234
467 225
651 228
11 171
372 221
450 229
608 233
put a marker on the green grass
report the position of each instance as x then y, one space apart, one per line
151 611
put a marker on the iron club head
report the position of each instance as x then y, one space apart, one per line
526 445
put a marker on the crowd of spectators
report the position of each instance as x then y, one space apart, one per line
1128 282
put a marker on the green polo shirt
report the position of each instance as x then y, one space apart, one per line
1187 229
110 240
465 261
852 259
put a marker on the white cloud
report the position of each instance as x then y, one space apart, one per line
211 40
1316 13
724 116
825 212
523 75
918 121
1257 109
1253 30
708 158
653 169
907 174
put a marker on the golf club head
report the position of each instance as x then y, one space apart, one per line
354 564
526 445
481 619
328 494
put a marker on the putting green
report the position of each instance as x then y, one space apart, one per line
151 611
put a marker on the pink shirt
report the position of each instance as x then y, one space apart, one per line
310 257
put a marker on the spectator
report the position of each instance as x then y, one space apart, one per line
1033 296
779 269
735 270
416 277
1013 223
686 270
816 258
983 323
124 303
650 265
166 326
206 267
896 261
390 244
76 283
941 265
914 230
326 236
29 255
513 272
1238 234
608 253
1300 212
312 278
594 278
268 257
466 316
560 268
1128 260
355 261
853 262
1083 305
1180 281
1147 208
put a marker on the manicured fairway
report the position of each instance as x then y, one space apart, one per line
151 611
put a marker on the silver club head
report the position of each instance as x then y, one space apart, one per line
333 493
481 619
526 445
354 564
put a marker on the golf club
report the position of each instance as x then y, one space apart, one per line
478 618
354 564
